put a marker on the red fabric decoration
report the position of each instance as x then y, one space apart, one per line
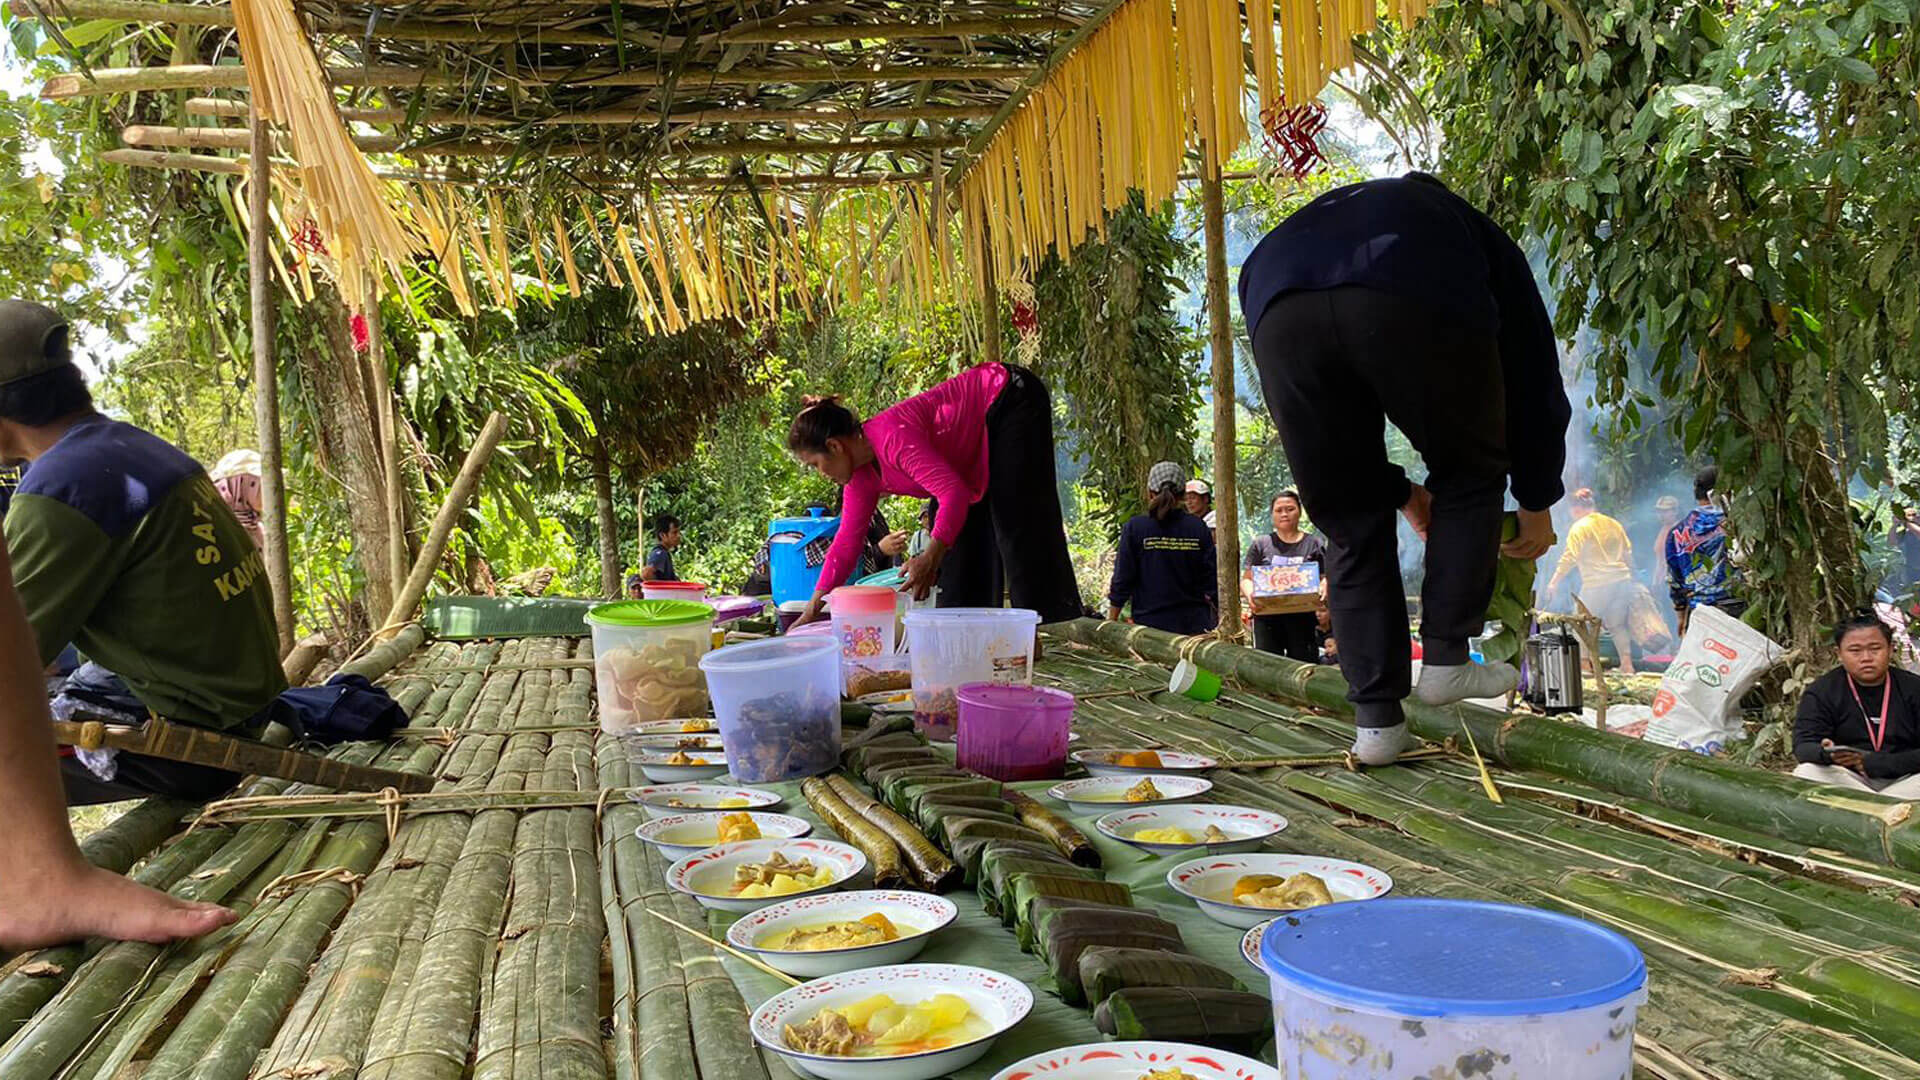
1026 319
1292 135
362 337
307 238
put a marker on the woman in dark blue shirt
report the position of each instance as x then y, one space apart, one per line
1166 563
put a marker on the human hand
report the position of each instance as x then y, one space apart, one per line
1533 539
923 570
1113 614
1846 757
894 543
811 614
1418 510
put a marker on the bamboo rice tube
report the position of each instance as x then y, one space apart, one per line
883 855
936 872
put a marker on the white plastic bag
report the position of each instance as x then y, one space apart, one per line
1697 705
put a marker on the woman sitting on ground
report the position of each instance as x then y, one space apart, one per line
1165 565
1859 725
981 446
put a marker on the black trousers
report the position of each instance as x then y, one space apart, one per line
1335 366
1292 636
1015 538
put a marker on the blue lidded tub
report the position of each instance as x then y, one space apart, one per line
1432 987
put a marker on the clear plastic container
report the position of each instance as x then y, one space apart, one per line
863 620
1013 732
1430 987
646 656
955 646
778 702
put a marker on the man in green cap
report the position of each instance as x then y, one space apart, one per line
121 546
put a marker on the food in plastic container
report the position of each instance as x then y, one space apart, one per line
1431 987
955 646
779 707
863 620
646 661
890 674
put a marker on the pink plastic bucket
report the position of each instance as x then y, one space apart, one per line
1013 732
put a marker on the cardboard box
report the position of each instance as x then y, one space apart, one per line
1286 589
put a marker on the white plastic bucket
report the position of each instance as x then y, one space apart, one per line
1431 987
954 646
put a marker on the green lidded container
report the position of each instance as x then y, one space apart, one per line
646 662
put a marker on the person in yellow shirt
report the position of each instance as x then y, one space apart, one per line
1598 549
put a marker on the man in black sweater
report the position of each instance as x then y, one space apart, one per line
1858 725
1396 300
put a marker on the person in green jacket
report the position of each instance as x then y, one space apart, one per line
121 545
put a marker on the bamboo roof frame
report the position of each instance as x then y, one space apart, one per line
856 86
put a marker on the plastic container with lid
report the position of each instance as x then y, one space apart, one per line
646 656
778 702
787 542
673 590
1013 732
863 620
955 646
1431 987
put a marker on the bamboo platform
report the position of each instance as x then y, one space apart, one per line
508 938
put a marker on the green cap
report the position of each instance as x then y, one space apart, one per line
33 340
651 613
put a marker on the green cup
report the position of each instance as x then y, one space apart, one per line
1195 682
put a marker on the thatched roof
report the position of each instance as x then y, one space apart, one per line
601 92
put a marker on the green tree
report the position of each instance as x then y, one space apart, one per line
1732 187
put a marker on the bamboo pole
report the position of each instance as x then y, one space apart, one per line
235 108
824 113
147 136
787 32
451 508
266 388
234 76
100 81
1226 505
305 656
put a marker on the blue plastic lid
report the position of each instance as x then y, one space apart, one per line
1432 957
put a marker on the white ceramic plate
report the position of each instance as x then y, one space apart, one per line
674 727
1248 827
918 915
712 869
1250 944
677 836
672 800
1103 794
653 763
1099 762
1133 1060
1000 1000
1205 881
888 701
688 741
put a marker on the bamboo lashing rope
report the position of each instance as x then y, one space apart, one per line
394 805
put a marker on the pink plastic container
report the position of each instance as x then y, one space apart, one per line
863 620
1013 732
673 590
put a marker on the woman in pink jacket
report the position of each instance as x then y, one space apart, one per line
980 445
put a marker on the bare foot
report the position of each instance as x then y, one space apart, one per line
1419 510
50 908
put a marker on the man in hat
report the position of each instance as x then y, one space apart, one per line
1199 499
121 546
